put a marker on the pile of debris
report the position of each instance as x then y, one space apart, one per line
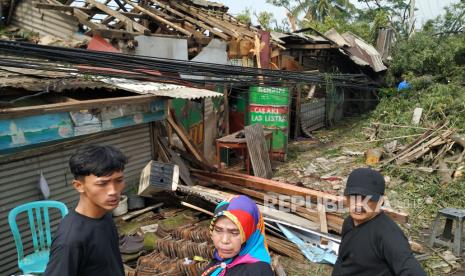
301 223
439 148
122 20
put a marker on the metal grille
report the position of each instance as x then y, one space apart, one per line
313 115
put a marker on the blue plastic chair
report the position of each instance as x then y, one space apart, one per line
39 224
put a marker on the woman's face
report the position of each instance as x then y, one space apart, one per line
226 238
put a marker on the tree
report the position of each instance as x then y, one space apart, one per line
265 19
398 13
314 10
245 16
453 21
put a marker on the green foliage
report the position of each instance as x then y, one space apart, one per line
245 16
265 19
361 28
426 54
453 21
438 101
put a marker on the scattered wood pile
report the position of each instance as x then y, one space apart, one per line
439 148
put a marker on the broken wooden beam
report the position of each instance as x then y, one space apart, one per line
70 9
192 20
130 25
185 140
268 185
82 17
334 221
141 211
158 18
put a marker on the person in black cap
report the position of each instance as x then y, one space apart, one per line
372 244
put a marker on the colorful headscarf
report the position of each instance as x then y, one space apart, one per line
244 213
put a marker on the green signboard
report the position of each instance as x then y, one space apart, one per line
269 106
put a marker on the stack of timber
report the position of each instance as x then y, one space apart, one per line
440 147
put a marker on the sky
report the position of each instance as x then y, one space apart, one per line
427 9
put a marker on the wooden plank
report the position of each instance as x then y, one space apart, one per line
8 113
218 196
219 21
298 102
185 140
322 215
183 169
192 20
323 222
226 109
197 208
140 212
60 7
192 12
158 18
334 221
269 185
312 46
114 34
82 17
258 151
130 25
63 8
169 129
210 119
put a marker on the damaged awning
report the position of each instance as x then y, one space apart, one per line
161 89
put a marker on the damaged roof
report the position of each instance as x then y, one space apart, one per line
359 51
160 89
39 80
125 19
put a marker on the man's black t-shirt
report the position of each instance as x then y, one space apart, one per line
85 246
377 247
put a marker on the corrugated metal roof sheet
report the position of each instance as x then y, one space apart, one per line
304 38
50 84
358 50
38 80
364 51
336 37
161 89
208 4
44 22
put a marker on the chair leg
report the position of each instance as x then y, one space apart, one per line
458 238
447 233
434 231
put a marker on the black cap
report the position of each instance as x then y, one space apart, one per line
365 182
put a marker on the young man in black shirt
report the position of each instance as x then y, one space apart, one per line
372 244
86 241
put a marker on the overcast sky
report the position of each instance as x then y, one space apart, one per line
427 9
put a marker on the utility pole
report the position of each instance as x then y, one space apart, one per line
411 29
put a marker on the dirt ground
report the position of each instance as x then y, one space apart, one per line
324 161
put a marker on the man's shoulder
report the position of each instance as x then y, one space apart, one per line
388 230
72 230
386 222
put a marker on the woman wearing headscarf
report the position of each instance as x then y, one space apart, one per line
238 233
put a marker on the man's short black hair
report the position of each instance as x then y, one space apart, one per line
99 160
